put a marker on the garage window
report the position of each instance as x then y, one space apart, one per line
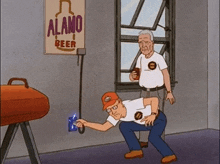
133 16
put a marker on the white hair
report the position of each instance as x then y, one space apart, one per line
147 32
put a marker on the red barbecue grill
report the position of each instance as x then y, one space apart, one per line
19 105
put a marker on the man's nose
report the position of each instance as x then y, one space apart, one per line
143 44
113 111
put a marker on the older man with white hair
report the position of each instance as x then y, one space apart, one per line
152 73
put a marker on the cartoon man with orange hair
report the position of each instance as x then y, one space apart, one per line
135 115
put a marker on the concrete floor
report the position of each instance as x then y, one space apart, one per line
197 147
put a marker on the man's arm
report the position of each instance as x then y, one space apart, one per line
96 126
153 101
133 75
166 76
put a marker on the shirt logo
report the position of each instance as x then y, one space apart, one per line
152 65
138 115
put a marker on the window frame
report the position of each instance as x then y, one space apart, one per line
168 41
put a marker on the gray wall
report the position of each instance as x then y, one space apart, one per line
58 76
213 64
190 111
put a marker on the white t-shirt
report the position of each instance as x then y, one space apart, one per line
133 106
151 74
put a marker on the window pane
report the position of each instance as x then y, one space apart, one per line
128 53
160 32
157 47
125 77
125 31
128 8
148 13
162 19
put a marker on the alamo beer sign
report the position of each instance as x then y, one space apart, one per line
64 26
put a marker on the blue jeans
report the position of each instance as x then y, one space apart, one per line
128 128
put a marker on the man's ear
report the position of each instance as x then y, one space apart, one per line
153 45
119 100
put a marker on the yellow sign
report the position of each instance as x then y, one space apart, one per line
64 26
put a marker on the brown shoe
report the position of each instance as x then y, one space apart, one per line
134 154
169 159
144 144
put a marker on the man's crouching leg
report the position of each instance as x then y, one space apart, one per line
158 142
127 129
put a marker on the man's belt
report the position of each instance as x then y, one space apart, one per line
153 89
